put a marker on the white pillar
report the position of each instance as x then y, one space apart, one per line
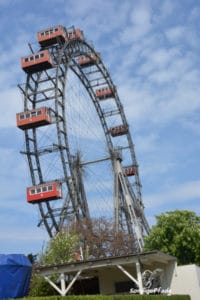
63 290
62 283
128 274
139 278
72 282
53 285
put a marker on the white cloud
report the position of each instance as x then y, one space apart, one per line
194 14
166 8
140 23
96 18
9 106
147 143
156 167
192 124
175 34
160 58
177 194
165 88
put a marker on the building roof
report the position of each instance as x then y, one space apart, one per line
88 266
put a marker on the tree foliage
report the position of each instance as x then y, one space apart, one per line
177 233
59 249
40 287
99 239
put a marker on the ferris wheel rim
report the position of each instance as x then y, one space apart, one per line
71 46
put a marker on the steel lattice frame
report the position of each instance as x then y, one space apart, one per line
49 86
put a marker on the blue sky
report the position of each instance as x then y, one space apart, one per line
151 49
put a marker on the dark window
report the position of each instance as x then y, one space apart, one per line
21 117
56 29
46 32
33 114
32 191
50 188
41 54
48 113
39 112
44 189
27 116
37 56
26 59
38 190
31 58
42 33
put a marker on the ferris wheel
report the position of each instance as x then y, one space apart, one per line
77 140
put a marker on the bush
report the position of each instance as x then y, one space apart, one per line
151 297
40 287
114 297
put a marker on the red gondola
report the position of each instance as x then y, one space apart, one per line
52 35
130 170
44 192
34 118
105 93
118 130
87 61
37 62
74 34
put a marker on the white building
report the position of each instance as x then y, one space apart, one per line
114 274
126 274
186 280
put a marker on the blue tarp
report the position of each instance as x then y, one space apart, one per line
15 273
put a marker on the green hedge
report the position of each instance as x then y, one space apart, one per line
69 297
115 297
151 297
80 297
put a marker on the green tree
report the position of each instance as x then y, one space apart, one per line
40 287
59 249
177 233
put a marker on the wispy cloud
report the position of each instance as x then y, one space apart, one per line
182 193
140 22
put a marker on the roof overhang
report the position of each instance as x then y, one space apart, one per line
87 266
